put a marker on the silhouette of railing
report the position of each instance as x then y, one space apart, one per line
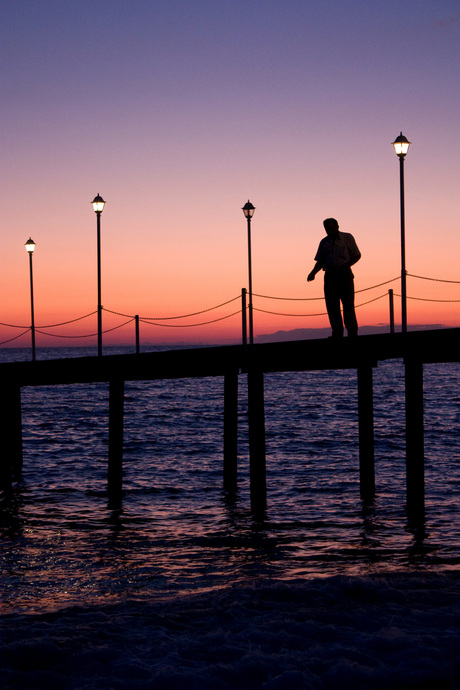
362 304
165 321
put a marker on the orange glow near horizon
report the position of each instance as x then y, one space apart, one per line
66 292
195 271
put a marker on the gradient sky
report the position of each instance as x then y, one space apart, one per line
178 112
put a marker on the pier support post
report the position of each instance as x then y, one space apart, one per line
366 432
230 430
257 464
415 451
11 434
115 461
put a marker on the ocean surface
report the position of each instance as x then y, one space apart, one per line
183 588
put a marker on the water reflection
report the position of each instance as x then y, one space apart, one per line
11 503
177 530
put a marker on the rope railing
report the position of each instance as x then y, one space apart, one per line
65 323
312 299
86 335
438 280
323 313
13 325
188 325
426 299
387 282
181 316
10 340
157 321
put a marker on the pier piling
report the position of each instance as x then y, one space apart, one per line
415 450
11 434
230 431
366 432
115 461
257 462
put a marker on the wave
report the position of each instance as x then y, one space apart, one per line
389 631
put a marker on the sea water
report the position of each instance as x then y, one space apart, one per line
183 587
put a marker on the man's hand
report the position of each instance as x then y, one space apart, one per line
311 276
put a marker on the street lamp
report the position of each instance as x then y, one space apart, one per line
98 206
401 145
30 246
248 210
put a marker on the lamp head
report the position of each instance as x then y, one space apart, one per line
401 145
98 204
30 245
248 209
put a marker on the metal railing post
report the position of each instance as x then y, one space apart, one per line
244 315
392 311
136 319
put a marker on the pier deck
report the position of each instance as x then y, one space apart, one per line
416 348
441 345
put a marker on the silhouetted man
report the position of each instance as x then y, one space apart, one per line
336 254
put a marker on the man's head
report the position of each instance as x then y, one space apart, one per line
331 226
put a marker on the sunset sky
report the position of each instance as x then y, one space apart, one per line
178 112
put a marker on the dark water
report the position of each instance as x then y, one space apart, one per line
177 531
183 588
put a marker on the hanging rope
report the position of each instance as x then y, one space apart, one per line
86 335
65 323
324 313
182 316
12 325
14 338
308 299
425 299
379 285
438 280
189 325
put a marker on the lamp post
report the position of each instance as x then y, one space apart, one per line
401 146
248 210
30 246
98 206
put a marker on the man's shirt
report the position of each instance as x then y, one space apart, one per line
337 251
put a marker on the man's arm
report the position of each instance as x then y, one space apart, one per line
317 267
355 254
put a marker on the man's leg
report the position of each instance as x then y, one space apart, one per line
332 297
348 302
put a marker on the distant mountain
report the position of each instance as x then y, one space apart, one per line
312 333
295 334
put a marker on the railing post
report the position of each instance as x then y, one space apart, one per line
230 431
115 460
415 450
392 311
136 319
366 432
244 316
257 464
11 434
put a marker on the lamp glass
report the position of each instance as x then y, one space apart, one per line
248 209
98 204
401 145
30 245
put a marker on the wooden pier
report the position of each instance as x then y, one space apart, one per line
362 354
